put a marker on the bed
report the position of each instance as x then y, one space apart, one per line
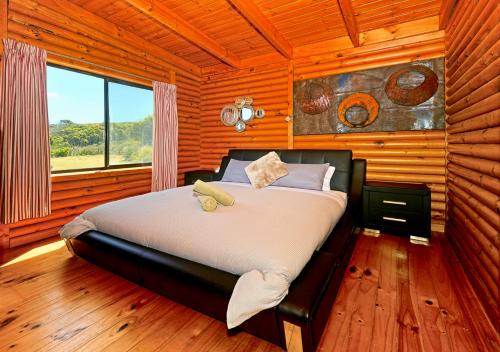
149 240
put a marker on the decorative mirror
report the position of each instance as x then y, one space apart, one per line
260 113
240 114
246 113
240 126
229 115
239 102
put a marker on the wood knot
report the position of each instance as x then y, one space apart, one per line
7 321
367 272
414 329
123 327
428 301
353 269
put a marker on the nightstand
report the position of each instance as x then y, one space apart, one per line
399 208
204 175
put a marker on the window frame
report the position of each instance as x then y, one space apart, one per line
106 81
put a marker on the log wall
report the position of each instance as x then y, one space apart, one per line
417 156
73 37
473 168
268 85
74 193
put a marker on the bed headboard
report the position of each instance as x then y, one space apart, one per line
341 159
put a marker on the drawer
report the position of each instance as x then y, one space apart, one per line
395 201
396 219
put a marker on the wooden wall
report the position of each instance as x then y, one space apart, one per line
70 34
417 156
268 85
74 37
473 169
188 110
74 193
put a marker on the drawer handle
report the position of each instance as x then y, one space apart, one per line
393 219
393 202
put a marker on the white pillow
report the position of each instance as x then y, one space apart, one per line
328 177
235 171
305 176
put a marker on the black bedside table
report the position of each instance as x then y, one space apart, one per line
204 175
399 208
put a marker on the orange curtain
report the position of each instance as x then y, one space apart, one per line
165 136
24 133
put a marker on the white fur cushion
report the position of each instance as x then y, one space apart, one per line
264 171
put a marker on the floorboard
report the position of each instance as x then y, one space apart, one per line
395 296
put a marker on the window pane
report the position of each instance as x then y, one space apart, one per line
131 124
76 118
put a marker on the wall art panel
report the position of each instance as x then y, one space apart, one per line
392 98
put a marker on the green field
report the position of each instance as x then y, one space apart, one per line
82 162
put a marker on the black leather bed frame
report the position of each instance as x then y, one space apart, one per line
307 306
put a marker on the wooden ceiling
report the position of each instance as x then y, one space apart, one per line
208 32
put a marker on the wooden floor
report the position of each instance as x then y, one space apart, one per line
395 297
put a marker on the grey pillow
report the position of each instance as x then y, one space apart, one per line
305 176
235 171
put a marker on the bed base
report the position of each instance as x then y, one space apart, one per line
68 244
296 324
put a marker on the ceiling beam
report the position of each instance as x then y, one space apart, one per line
350 20
170 19
257 19
447 8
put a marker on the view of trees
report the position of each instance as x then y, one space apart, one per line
132 141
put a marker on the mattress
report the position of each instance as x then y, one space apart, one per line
267 237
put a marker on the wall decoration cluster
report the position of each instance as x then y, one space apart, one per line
240 113
392 98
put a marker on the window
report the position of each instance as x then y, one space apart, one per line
76 118
97 122
131 124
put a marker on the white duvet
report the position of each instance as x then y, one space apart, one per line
267 237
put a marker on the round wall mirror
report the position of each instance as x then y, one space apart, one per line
229 115
240 126
246 113
239 102
260 113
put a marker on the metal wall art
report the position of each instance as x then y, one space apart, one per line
240 113
411 96
392 98
362 100
316 98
